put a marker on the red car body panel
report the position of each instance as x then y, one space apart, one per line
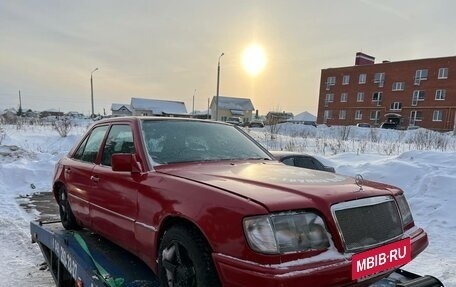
77 176
133 208
328 272
276 186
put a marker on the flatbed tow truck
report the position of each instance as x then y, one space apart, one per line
85 259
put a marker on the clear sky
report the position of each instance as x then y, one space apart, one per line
169 49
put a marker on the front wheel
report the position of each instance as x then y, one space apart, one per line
185 259
66 214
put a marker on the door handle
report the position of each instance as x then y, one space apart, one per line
94 178
67 170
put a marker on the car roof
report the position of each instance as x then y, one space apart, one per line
137 118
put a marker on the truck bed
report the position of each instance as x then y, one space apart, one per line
64 254
76 257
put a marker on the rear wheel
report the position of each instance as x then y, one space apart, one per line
66 214
185 259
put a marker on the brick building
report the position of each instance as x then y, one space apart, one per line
410 93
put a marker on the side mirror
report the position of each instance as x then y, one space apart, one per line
329 169
125 162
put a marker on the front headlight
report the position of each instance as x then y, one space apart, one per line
287 232
404 208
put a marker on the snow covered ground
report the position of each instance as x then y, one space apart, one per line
421 162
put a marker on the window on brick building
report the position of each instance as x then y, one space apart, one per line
375 115
420 75
344 97
379 78
415 116
377 98
331 81
360 97
358 115
440 94
396 106
329 98
346 80
443 73
342 114
437 116
418 96
398 86
327 115
362 78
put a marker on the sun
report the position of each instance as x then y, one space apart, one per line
253 59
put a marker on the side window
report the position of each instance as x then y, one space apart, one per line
89 149
78 154
120 140
289 161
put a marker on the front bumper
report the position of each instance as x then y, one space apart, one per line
325 272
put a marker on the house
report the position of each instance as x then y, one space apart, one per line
121 110
277 117
30 114
9 116
201 114
305 118
408 93
74 115
51 113
150 107
229 107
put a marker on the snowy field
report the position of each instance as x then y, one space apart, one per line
421 162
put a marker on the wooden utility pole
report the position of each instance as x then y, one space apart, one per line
19 113
193 104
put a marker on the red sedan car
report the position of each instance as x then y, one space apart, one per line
203 204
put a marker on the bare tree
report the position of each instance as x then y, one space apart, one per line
2 135
63 126
273 127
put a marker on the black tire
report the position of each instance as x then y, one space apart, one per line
66 214
185 259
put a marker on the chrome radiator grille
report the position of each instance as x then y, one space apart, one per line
367 222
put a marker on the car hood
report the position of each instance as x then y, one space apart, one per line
275 185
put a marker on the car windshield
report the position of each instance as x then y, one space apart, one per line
173 141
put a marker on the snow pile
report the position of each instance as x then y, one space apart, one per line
27 159
428 179
420 162
336 139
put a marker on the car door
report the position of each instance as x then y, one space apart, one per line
114 196
78 172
